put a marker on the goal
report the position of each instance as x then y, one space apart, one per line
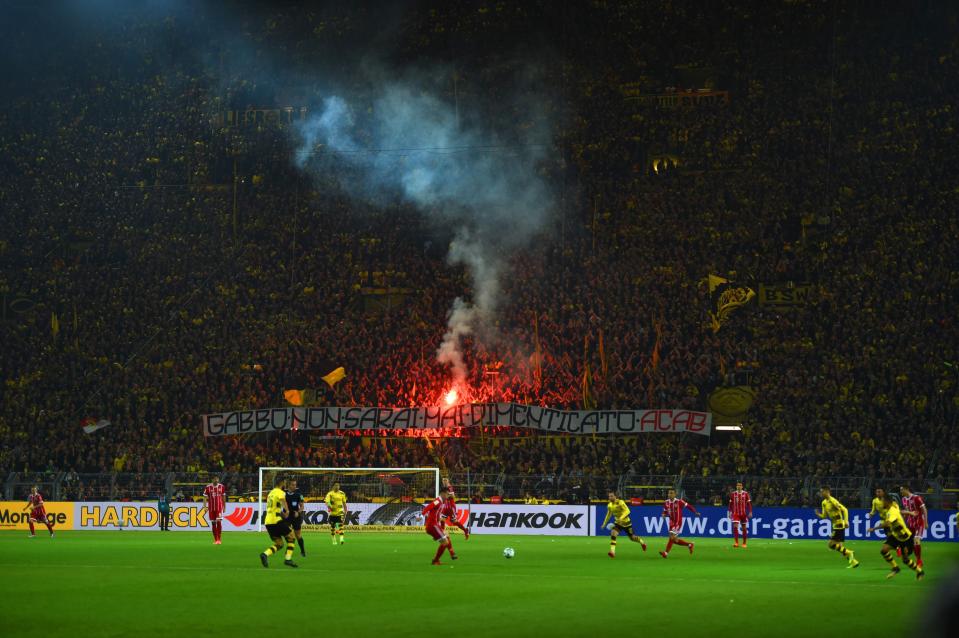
383 485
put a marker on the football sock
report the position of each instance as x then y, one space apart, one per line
744 534
669 545
299 542
682 543
736 534
887 556
439 552
918 552
272 549
449 545
32 530
612 547
289 553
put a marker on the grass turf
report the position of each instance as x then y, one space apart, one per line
178 583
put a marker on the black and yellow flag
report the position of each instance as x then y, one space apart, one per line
726 296
298 390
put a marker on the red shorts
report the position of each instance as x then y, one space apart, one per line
436 532
676 528
39 515
213 514
741 519
918 530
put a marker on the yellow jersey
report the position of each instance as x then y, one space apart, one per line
895 524
878 508
619 511
836 512
274 506
336 501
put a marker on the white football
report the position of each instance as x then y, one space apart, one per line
508 552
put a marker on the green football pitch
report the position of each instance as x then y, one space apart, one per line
179 584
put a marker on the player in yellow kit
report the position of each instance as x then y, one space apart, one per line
878 504
336 503
879 507
277 527
839 515
898 536
618 509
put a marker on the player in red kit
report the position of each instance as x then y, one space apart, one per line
673 509
214 502
38 513
914 511
449 513
433 512
740 509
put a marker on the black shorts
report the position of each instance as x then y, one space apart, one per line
336 520
839 536
295 523
908 546
278 530
624 529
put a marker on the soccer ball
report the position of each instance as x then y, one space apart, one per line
508 552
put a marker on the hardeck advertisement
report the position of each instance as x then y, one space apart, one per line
772 522
140 516
13 515
556 520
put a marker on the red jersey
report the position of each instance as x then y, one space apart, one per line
215 495
449 509
433 511
740 505
673 508
36 504
913 503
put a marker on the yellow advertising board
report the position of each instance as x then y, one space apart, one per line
14 514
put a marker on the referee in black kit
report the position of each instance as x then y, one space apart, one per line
295 500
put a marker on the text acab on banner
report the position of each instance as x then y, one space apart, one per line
458 416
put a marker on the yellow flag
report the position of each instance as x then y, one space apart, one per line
725 297
589 402
293 397
334 376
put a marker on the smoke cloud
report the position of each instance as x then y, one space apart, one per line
482 182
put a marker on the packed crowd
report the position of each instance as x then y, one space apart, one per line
155 268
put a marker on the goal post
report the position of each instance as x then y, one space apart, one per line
361 484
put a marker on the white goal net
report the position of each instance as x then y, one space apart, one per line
399 488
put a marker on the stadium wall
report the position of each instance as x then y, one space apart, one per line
771 522
553 520
556 520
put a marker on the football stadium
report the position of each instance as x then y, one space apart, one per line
479 318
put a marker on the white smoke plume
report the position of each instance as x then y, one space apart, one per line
481 182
